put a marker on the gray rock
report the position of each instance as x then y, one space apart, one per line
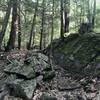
20 70
67 84
47 97
77 53
21 88
29 87
3 94
81 97
70 96
33 63
43 57
48 75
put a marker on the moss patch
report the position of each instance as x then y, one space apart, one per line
76 52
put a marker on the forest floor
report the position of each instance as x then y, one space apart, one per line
61 87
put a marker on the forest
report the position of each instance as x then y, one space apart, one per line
49 49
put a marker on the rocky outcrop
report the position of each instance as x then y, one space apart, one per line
23 76
79 54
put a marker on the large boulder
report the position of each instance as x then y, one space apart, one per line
79 54
20 70
19 87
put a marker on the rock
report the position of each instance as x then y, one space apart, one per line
67 84
43 57
27 61
3 94
91 96
7 97
76 53
21 76
29 87
16 90
39 79
47 97
49 75
2 83
90 88
98 96
21 88
38 61
81 97
37 55
21 71
70 96
31 67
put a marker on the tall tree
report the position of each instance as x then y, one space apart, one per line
5 21
42 25
32 33
62 20
52 33
12 37
89 14
66 15
94 13
52 30
19 26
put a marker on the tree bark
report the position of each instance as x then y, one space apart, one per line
89 16
12 37
62 20
42 25
32 33
94 13
5 22
66 15
52 34
52 30
19 27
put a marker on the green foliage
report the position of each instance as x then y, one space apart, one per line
78 12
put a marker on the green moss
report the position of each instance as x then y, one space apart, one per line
81 48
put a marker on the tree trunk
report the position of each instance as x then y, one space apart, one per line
62 20
66 28
5 22
12 37
19 27
52 34
32 33
52 30
94 13
44 40
66 15
42 25
89 16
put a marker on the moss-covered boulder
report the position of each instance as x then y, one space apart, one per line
79 53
